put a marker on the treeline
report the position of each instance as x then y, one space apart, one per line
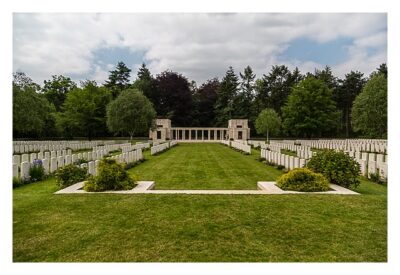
315 104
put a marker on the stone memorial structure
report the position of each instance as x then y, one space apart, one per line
237 129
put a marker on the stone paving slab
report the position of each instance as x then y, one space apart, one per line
264 188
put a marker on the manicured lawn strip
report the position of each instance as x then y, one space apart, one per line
204 166
279 228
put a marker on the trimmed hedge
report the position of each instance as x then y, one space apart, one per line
110 176
304 180
338 167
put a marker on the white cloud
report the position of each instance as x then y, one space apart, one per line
200 46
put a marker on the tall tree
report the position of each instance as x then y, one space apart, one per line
84 111
278 85
145 83
131 112
204 100
56 89
382 69
118 79
310 110
32 113
268 122
175 98
224 105
327 77
346 92
370 108
244 99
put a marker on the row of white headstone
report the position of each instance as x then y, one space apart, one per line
128 157
370 163
155 149
52 164
256 143
36 146
59 155
241 146
368 145
277 158
130 147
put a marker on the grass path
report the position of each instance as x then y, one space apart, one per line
204 166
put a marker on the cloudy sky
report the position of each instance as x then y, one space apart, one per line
200 46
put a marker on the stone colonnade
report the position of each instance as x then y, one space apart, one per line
198 134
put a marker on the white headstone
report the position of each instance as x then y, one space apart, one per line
46 165
60 161
25 158
25 170
32 157
15 170
53 164
17 159
91 170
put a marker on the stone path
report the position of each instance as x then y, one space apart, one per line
264 188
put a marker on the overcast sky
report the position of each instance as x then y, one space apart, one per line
200 46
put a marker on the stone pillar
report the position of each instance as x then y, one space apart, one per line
208 137
196 133
53 164
25 170
47 155
202 135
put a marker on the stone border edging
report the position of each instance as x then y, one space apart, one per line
264 188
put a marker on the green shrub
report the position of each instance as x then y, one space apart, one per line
36 171
80 161
70 174
375 177
338 167
110 176
17 182
304 180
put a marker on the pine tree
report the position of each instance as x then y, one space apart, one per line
348 90
118 80
244 99
224 106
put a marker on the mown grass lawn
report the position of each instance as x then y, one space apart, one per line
204 166
198 228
